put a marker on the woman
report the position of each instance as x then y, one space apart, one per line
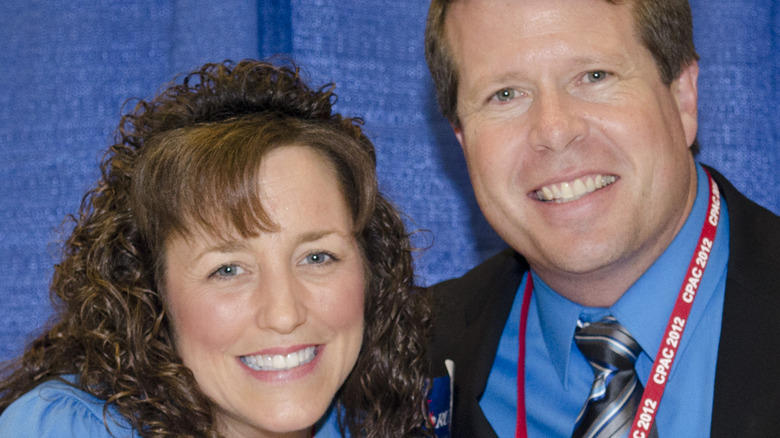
233 273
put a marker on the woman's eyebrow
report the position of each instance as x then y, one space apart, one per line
224 247
312 236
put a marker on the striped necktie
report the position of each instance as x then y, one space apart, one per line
616 392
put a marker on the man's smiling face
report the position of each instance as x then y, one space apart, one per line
578 152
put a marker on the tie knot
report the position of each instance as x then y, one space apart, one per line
607 344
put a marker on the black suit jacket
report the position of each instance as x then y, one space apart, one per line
473 309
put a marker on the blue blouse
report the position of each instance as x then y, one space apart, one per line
55 409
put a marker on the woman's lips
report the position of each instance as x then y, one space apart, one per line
280 362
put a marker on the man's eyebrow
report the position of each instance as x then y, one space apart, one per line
598 59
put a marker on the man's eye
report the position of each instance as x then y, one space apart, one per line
227 271
596 76
505 94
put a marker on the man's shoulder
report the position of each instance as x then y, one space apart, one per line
506 265
459 299
750 310
743 208
754 235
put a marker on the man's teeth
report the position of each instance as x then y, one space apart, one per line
280 362
569 191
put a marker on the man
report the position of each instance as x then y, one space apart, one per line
578 121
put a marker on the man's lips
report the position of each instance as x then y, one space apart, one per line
572 190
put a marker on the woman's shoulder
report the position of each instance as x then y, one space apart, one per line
55 408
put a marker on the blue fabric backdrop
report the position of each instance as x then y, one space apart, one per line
70 65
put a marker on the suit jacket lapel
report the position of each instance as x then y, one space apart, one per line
747 386
485 320
488 317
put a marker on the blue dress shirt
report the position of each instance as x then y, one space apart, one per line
558 378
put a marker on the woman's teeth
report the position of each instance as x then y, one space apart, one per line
280 362
570 191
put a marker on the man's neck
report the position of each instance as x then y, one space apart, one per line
590 290
604 286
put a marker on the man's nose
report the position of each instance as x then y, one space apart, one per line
555 121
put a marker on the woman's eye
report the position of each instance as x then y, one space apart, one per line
596 76
227 271
505 94
318 258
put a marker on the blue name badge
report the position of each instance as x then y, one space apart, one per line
440 403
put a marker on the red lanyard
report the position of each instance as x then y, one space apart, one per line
667 352
520 431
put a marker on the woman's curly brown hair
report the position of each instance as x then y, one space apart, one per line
111 328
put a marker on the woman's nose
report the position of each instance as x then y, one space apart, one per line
280 303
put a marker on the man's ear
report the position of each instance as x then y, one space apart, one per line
686 95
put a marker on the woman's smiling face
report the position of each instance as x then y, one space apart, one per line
272 325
